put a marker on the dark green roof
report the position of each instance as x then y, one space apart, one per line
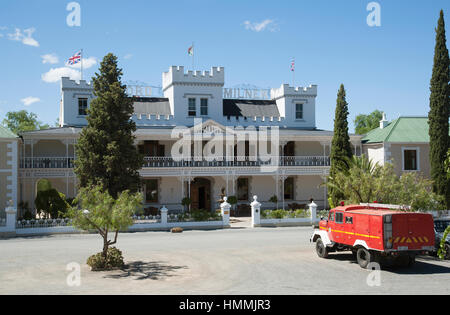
403 129
6 133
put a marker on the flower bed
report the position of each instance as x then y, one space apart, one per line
285 214
43 223
195 216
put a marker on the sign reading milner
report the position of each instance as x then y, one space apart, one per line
251 94
143 90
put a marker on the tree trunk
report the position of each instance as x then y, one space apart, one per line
105 246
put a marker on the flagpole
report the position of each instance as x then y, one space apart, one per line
293 73
81 64
193 55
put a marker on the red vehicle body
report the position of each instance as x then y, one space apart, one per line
373 231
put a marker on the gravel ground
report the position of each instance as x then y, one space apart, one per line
232 261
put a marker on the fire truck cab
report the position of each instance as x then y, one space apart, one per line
375 231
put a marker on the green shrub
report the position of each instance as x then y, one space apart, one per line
279 214
285 214
114 260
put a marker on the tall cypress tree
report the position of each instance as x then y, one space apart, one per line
439 113
340 146
106 154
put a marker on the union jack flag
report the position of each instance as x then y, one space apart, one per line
75 59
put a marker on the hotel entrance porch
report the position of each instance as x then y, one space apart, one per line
206 192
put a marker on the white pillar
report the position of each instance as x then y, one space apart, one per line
11 213
256 212
313 210
164 212
225 210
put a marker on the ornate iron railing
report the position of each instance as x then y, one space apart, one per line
237 161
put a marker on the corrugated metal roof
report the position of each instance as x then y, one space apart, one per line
151 106
403 129
6 133
250 108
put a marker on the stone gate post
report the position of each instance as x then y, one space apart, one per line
256 212
164 215
225 210
313 211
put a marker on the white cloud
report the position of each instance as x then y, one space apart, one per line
55 74
50 58
128 56
270 25
71 71
87 63
25 37
27 101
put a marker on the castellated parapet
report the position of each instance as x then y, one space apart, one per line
67 83
176 75
288 91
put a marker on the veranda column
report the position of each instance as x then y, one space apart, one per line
283 179
325 192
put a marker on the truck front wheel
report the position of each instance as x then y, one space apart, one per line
365 257
321 249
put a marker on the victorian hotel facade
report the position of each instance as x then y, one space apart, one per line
180 134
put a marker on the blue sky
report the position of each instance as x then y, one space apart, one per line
387 67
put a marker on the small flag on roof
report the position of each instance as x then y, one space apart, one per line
191 50
75 59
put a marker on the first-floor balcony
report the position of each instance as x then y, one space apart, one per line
237 161
169 162
46 162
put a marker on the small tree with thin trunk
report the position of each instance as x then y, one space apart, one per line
98 210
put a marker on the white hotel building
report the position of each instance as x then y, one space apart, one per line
301 169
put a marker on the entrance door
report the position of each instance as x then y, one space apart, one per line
201 194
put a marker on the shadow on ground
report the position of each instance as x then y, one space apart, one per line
139 270
425 265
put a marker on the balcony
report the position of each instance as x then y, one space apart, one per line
245 161
168 162
47 162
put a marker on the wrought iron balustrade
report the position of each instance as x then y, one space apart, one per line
236 161
47 162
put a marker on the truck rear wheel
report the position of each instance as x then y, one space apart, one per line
365 257
321 249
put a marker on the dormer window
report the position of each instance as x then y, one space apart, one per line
299 111
192 110
82 106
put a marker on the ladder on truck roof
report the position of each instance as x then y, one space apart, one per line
386 206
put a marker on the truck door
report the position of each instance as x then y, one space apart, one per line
413 231
339 229
362 228
331 225
349 229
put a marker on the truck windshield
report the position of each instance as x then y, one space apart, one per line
440 226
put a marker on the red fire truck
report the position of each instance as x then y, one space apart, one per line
375 231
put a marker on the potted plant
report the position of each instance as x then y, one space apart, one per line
186 202
232 200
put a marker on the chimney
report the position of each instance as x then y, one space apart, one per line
383 121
